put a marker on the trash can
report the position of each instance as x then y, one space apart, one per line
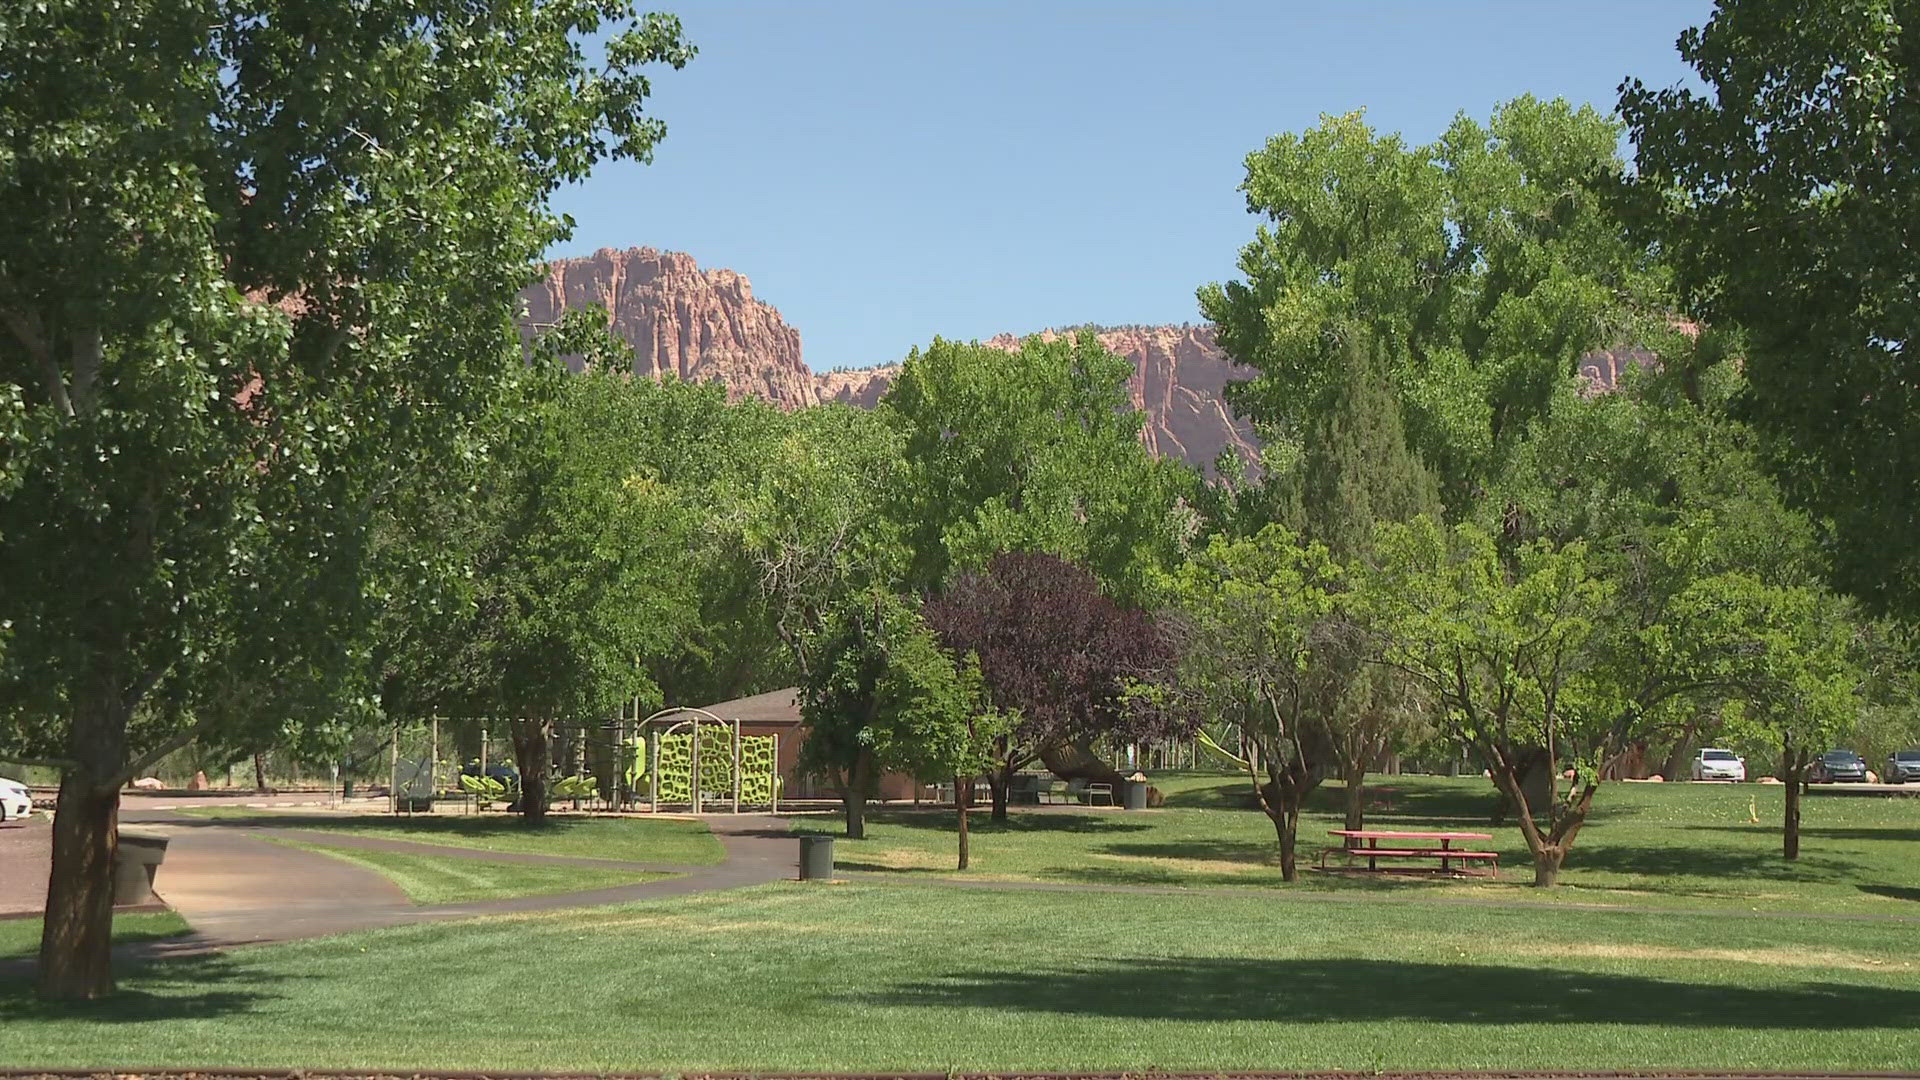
816 857
1136 795
135 861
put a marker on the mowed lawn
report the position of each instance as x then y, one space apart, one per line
874 976
1660 845
450 879
628 839
21 937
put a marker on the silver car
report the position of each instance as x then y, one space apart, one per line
1717 764
1902 766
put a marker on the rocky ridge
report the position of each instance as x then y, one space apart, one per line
706 325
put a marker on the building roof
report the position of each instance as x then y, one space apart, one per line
772 707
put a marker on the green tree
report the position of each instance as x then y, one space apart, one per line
1356 471
577 570
1786 195
260 260
1481 267
1247 615
1499 649
881 695
1037 449
811 521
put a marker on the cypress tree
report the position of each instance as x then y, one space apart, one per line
1357 469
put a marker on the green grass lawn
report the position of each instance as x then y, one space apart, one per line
452 879
21 937
657 840
1663 845
897 975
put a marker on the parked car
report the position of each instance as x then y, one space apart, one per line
1838 766
1716 764
16 801
506 774
1902 766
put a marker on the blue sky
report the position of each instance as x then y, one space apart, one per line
885 172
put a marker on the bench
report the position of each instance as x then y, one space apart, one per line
1363 842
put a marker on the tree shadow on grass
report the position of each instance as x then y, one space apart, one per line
1893 892
177 988
1217 989
1684 861
1018 821
1807 833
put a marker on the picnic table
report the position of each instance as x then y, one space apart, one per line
1367 842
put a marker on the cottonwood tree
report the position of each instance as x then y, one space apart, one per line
1034 449
1481 266
1248 615
1786 196
577 575
1059 658
252 274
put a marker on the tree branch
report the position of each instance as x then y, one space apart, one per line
30 339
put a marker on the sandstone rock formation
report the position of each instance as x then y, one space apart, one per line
1179 382
705 325
701 325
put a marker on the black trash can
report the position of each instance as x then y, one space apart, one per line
135 861
1136 795
816 857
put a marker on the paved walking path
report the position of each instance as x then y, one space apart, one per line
235 887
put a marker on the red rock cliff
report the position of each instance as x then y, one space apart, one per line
705 325
702 325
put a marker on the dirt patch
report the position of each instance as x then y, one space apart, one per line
1192 866
902 859
1819 959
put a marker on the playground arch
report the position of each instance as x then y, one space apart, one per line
696 759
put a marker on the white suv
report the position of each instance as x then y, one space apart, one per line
15 800
1716 764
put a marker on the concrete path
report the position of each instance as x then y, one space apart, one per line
234 887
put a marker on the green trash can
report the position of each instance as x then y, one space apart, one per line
137 857
1136 795
816 857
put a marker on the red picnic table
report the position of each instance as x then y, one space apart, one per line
1445 852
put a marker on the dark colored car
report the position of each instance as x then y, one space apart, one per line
506 774
1902 767
1837 767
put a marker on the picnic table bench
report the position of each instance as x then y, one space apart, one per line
1367 842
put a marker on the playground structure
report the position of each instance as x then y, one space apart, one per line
704 759
680 758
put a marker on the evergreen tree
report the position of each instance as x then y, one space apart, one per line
1357 469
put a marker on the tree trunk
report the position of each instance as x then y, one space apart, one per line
260 773
1356 796
961 805
997 783
533 753
76 937
853 797
1679 761
76 941
855 805
1791 773
1546 865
